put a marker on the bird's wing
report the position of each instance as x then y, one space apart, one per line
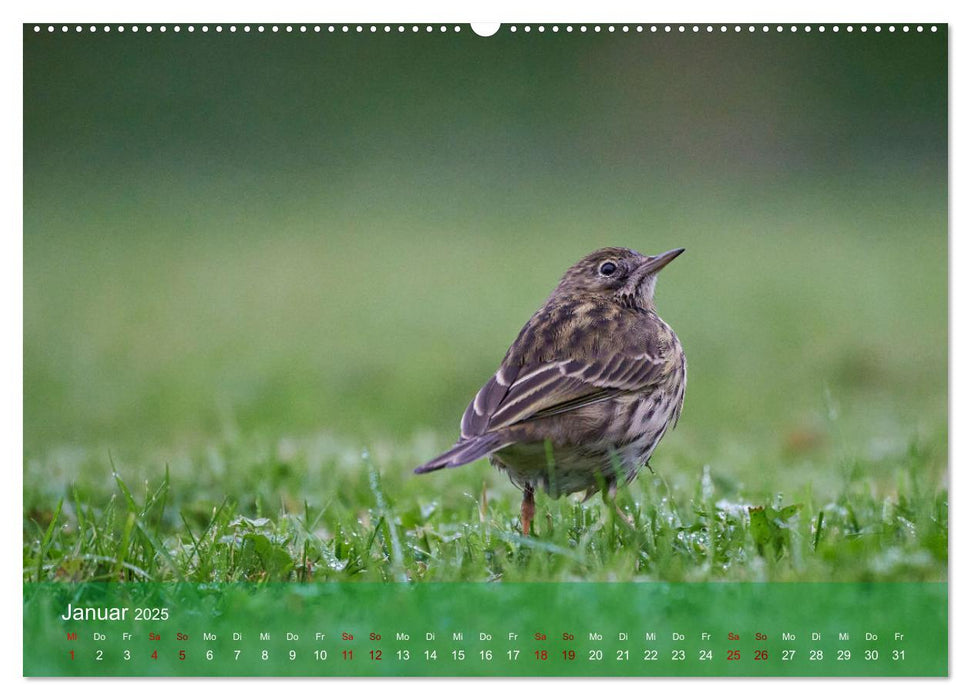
557 387
475 420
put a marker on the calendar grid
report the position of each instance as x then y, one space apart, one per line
582 629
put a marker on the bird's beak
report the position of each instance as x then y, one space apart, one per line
657 262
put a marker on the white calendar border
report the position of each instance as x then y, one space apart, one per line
11 302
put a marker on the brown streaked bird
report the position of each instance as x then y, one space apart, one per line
588 388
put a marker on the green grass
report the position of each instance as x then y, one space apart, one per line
255 512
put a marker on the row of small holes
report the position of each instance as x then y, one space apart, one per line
725 28
513 28
247 28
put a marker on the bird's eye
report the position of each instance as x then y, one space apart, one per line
607 269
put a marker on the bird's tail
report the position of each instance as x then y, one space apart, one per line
465 451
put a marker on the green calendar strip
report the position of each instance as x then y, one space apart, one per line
469 629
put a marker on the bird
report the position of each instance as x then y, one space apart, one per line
586 391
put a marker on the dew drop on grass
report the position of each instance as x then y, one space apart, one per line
707 486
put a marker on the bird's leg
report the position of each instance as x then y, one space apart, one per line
528 509
611 495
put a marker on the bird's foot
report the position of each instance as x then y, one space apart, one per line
626 519
611 497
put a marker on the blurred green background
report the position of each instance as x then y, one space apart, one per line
340 234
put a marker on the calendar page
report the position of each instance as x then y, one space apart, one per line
553 349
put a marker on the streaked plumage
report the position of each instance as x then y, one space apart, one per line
588 388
